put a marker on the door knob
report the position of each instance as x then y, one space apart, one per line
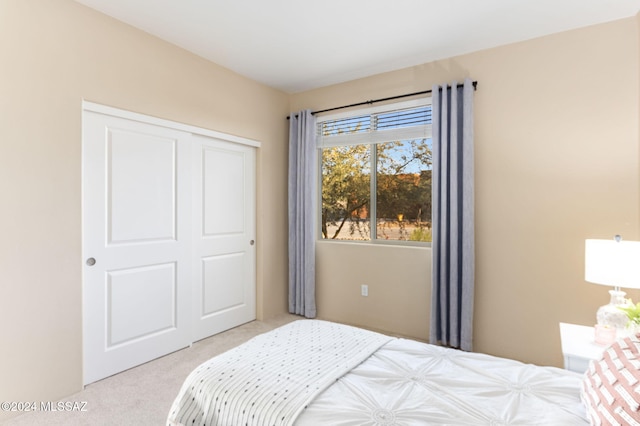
91 261
252 242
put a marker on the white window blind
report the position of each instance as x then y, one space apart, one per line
409 120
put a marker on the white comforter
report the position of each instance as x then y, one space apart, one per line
271 378
312 373
411 383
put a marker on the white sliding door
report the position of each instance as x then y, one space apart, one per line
136 243
224 235
168 237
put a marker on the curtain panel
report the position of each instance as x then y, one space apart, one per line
453 261
302 212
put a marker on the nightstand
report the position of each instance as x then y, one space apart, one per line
578 346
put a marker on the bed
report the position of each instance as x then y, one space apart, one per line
312 372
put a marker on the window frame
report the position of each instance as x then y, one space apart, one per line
371 139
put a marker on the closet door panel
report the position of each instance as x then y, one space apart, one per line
137 242
224 235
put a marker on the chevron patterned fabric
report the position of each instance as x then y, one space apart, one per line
611 386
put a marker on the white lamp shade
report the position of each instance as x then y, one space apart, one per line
613 263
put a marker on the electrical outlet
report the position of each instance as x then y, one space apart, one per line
364 290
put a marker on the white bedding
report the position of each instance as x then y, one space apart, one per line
411 383
403 382
271 378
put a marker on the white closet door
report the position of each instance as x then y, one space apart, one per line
136 243
224 235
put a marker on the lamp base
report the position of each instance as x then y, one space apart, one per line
610 315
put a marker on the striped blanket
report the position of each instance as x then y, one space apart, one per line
271 378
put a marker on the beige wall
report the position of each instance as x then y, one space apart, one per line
556 142
54 54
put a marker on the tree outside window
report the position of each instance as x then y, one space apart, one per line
387 183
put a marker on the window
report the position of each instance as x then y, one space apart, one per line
376 169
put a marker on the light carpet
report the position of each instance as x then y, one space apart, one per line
143 395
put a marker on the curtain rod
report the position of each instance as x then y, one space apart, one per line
406 95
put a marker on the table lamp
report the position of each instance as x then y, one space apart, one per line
614 263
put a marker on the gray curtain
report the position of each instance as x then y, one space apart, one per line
453 261
302 212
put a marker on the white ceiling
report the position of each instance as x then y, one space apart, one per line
297 45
